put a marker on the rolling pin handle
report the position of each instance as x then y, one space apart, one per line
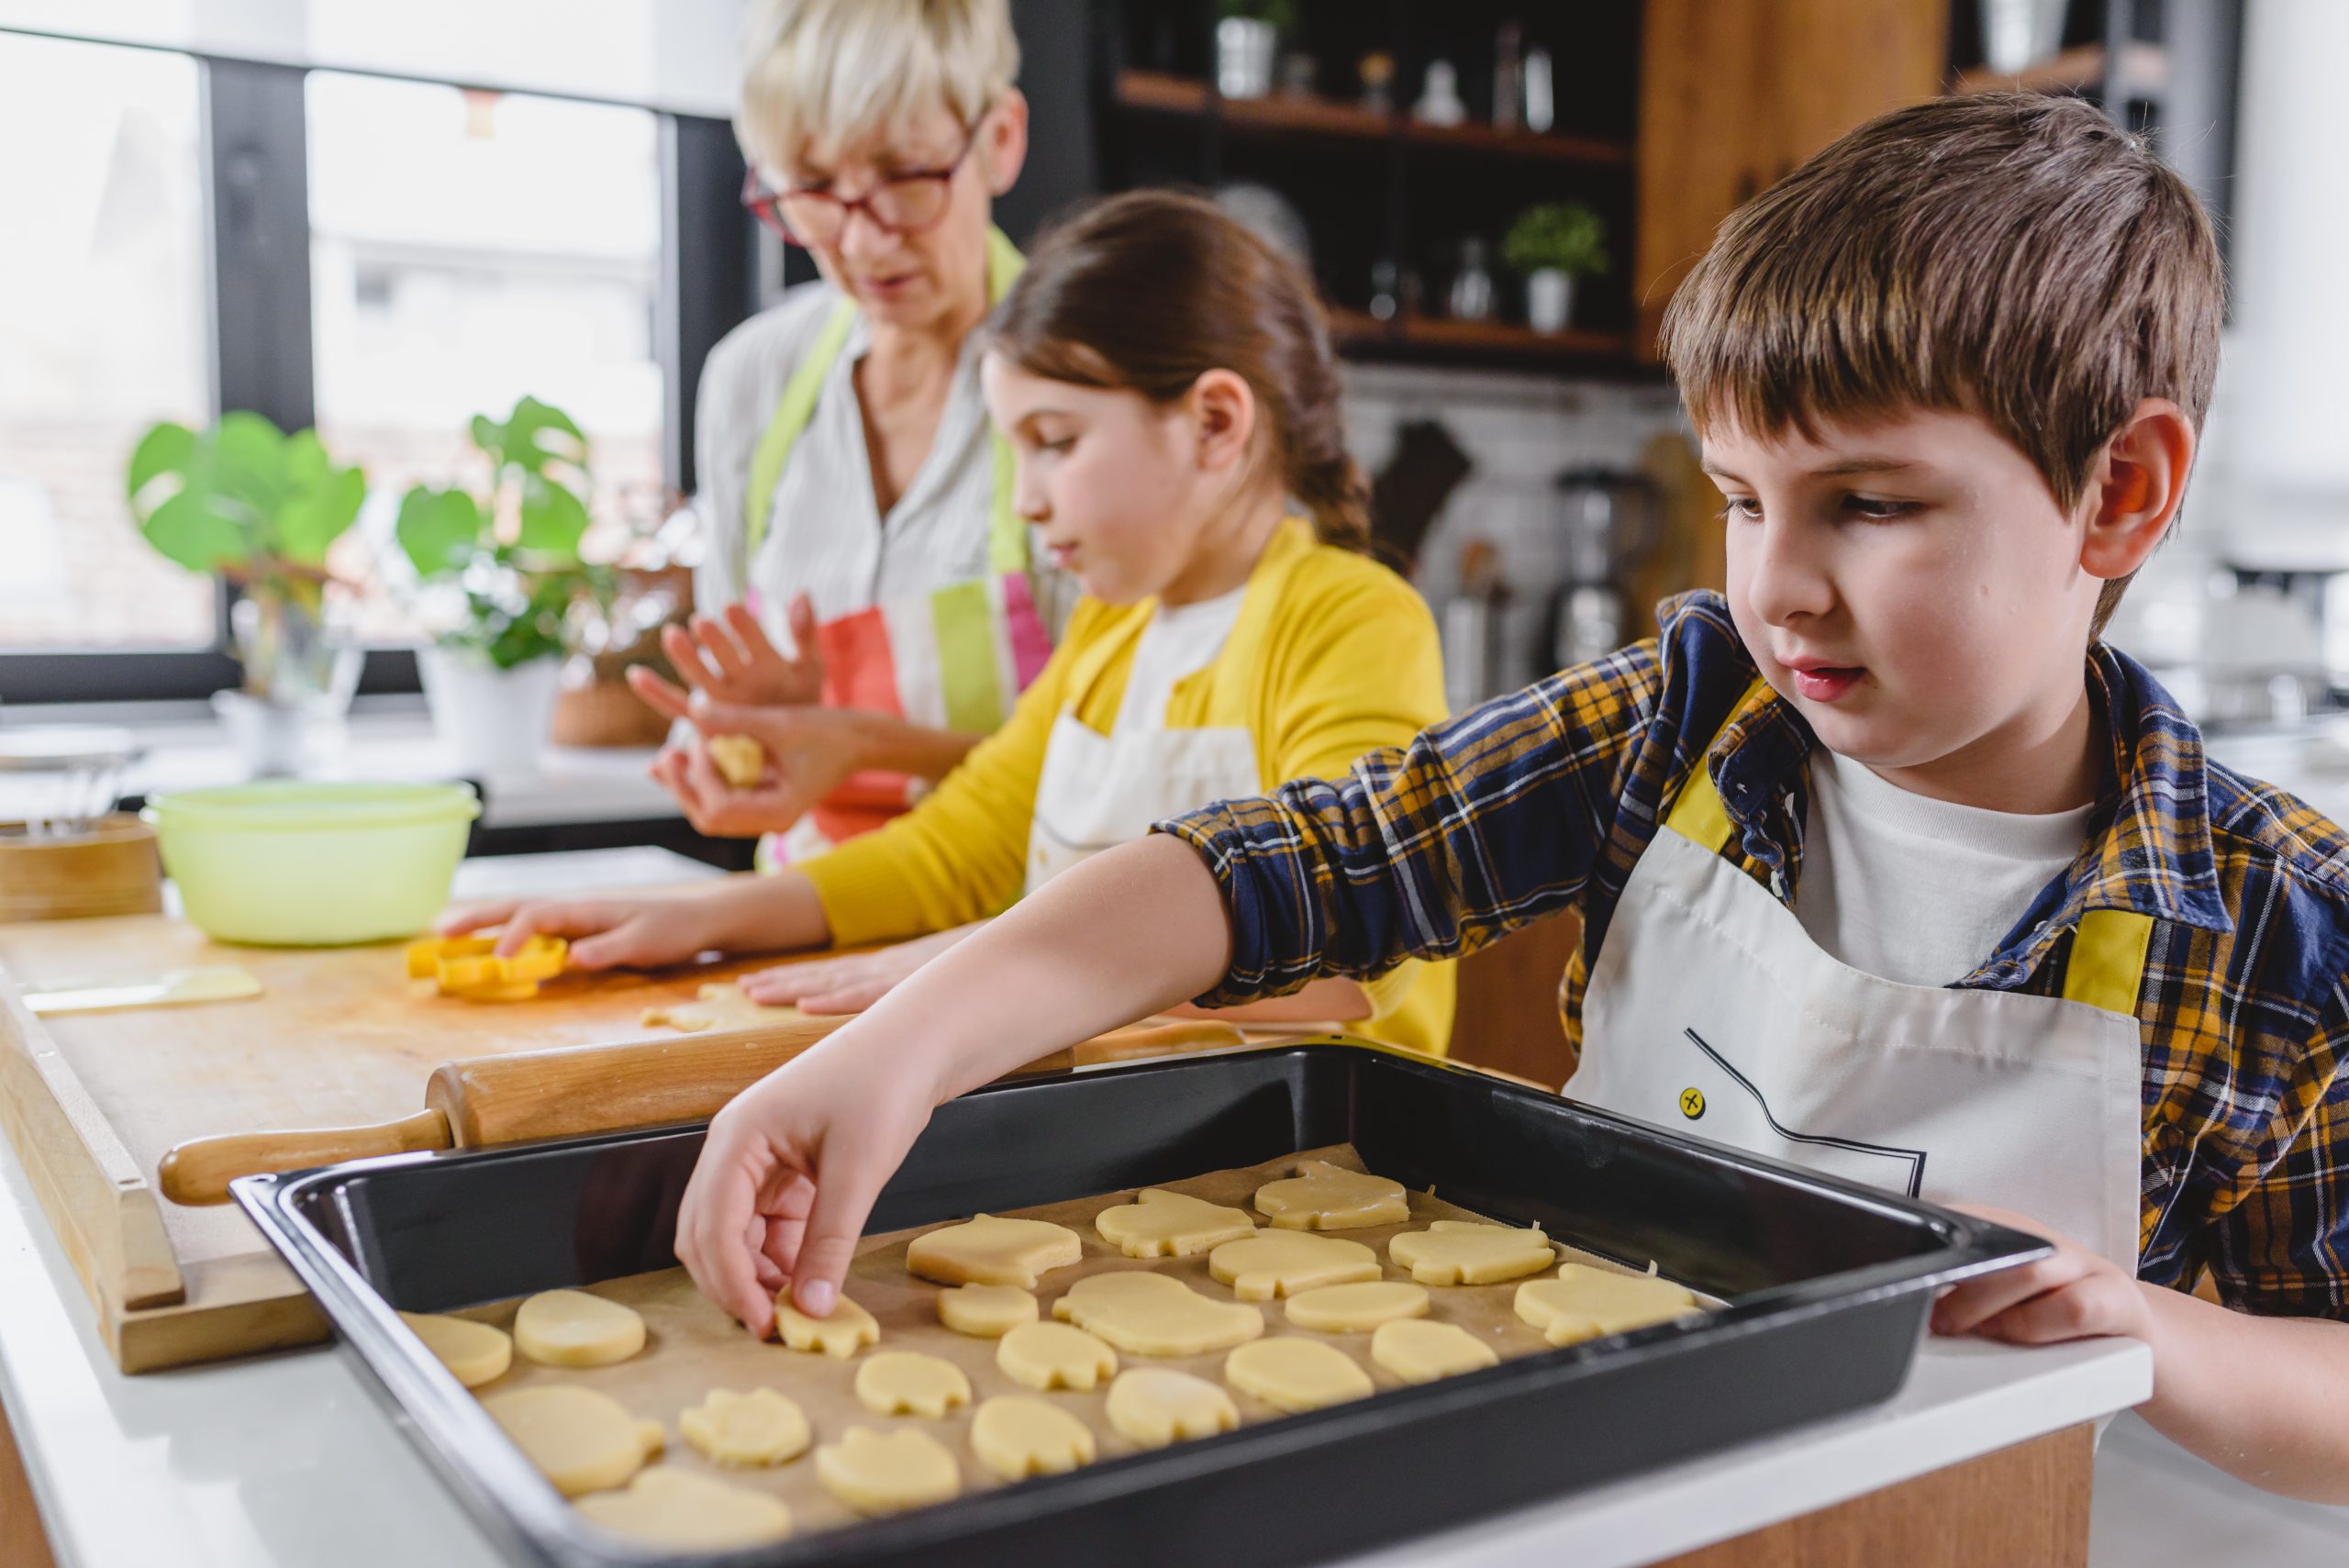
198 1172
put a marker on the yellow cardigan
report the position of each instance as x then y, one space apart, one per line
1332 656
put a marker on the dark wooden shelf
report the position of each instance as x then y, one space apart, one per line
2145 69
1359 334
1152 92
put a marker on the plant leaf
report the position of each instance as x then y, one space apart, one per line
438 531
553 519
168 449
248 461
191 531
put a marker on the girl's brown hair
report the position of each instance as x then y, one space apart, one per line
1148 291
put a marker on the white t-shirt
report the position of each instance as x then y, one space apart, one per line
1179 639
1918 890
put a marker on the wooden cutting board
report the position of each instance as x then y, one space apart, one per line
338 1037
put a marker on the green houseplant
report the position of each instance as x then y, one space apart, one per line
502 573
1550 246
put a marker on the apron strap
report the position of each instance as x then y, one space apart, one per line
2107 968
1699 814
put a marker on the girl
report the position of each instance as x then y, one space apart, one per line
1166 383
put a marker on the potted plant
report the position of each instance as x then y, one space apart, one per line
1549 246
259 508
501 572
1247 41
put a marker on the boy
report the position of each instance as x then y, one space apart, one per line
1886 864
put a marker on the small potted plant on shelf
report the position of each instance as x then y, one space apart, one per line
1549 246
260 510
501 576
1248 36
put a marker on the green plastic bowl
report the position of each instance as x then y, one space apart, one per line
289 863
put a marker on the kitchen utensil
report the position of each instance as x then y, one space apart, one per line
213 983
79 766
108 867
1609 521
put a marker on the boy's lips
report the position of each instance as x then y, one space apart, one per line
1822 682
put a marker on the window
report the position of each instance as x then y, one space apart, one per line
102 332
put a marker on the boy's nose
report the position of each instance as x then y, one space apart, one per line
1785 578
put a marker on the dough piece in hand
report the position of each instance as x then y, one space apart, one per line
1160 1224
685 1512
1296 1375
1017 1435
1583 1303
992 1251
1285 1262
847 1331
739 760
1322 1196
1054 1355
570 1327
1153 1405
1417 1350
1461 1251
1156 1315
475 1353
881 1472
907 1382
758 1428
1356 1308
986 1311
580 1439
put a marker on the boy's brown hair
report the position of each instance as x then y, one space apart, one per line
2013 256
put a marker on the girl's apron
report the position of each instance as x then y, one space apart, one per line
953 658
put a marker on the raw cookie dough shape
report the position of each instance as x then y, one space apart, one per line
1283 1262
1322 1196
847 1331
881 1472
1419 1351
1461 1251
685 1021
1054 1355
570 1327
1156 1315
907 1382
989 1250
1583 1303
580 1439
739 759
1017 1435
1152 1407
685 1512
986 1311
474 1352
1356 1308
758 1428
1296 1375
1160 1224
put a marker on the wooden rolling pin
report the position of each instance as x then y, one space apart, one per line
576 1091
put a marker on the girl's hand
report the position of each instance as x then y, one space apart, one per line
606 933
850 984
810 752
788 1175
729 659
2073 1295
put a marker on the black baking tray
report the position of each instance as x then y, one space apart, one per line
1828 1284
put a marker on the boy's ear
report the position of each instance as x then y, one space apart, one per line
1222 407
2135 488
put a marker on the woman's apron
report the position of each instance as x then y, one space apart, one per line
954 658
1711 1011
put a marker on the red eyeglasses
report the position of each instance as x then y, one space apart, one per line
902 204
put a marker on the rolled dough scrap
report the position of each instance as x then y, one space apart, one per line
475 1353
1160 1224
1461 1251
1017 1435
738 759
1356 1308
580 1439
847 1331
991 1251
570 1327
1583 1303
758 1428
1296 1375
986 1311
907 1382
880 1473
1054 1355
1153 1405
1156 1315
1285 1262
1417 1350
685 1512
685 1021
1323 1197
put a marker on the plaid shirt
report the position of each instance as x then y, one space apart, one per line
1544 800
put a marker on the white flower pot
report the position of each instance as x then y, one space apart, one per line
1549 300
492 722
1244 52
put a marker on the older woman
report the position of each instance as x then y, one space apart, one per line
876 609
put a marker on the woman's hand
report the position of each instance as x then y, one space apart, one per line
729 658
848 984
810 752
2073 1295
606 933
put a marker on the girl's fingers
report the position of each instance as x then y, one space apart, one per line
663 697
851 1177
787 981
474 917
720 647
751 635
2087 1306
685 658
1969 1305
719 1202
852 997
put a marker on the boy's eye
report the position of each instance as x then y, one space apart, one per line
1876 507
1747 508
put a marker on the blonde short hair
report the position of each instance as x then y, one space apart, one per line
833 72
